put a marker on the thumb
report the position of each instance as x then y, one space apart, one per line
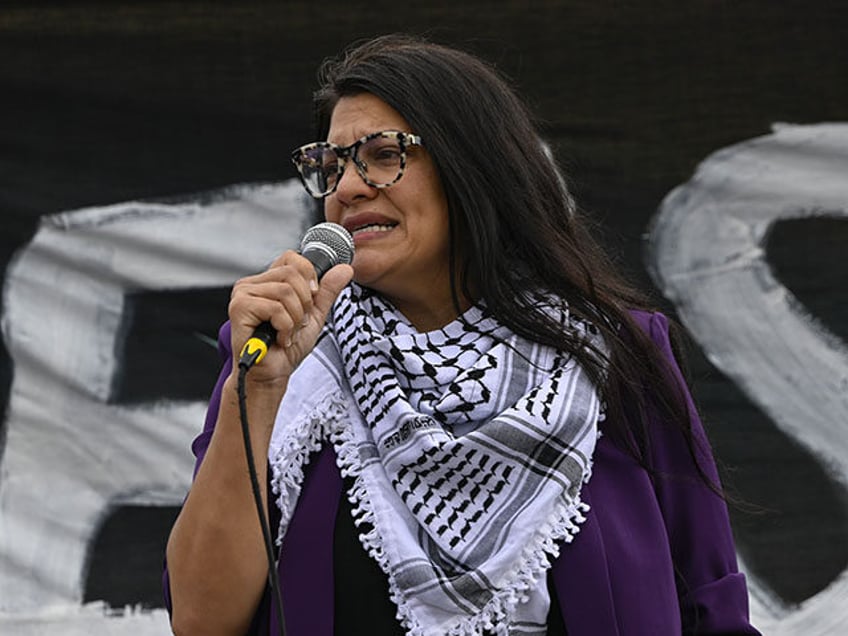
332 284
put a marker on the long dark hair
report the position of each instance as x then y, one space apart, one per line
514 224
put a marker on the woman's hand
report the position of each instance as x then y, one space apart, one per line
287 295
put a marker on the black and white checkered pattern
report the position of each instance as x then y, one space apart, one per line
469 446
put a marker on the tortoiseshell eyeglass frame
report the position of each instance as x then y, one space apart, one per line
299 158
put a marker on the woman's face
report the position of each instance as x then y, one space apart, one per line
401 231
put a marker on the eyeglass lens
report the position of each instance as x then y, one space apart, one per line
379 161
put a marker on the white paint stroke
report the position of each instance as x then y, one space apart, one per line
707 256
92 619
70 456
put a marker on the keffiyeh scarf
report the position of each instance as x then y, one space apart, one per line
468 447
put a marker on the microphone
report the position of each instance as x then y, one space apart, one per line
324 245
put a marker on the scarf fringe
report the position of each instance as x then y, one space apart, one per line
308 432
562 524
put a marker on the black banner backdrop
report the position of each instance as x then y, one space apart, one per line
187 106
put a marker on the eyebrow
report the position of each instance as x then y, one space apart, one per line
403 129
355 139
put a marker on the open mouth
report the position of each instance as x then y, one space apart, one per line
373 227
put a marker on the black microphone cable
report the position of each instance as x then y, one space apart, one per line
273 577
325 245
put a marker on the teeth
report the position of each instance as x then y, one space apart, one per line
373 228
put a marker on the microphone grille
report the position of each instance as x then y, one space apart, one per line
334 238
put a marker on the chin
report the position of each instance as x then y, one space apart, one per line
363 277
372 281
366 271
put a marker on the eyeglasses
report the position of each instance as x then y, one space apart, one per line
380 159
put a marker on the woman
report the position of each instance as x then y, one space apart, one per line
452 401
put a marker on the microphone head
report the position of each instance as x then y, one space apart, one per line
326 245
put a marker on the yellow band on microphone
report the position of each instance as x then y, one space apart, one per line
250 349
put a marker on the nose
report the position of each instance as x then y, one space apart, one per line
351 184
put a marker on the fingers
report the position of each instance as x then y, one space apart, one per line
281 295
287 303
289 297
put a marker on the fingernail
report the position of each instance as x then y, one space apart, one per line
313 285
305 321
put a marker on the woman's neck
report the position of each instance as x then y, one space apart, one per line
431 314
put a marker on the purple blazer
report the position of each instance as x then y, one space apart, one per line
618 575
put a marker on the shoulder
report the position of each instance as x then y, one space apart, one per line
224 346
655 325
651 322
